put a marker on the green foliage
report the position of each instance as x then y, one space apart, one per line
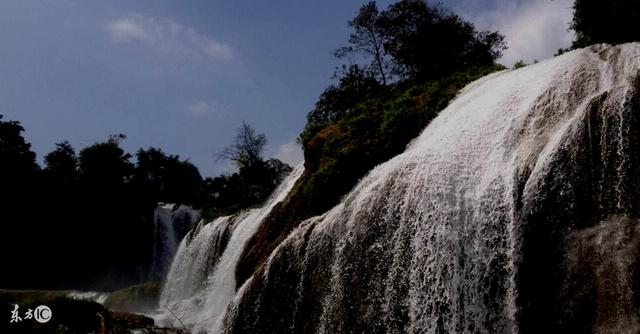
62 163
611 21
104 164
519 64
376 130
364 121
167 178
368 39
428 42
246 149
337 101
249 187
92 213
15 153
414 40
254 181
341 153
421 42
19 196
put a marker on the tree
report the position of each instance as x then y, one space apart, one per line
105 164
519 64
413 40
337 101
17 159
279 169
254 180
429 42
368 39
150 173
19 204
247 148
182 183
611 21
62 163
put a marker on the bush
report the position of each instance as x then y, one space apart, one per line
340 154
611 21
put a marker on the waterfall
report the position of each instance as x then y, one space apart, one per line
197 256
98 297
515 211
201 281
171 222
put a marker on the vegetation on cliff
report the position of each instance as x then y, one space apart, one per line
613 21
377 107
256 177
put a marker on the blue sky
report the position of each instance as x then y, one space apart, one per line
183 75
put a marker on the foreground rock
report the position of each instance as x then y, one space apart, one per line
68 315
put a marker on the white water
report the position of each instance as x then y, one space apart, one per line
201 281
98 297
170 225
198 254
432 240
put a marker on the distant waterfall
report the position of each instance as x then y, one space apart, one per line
98 297
171 222
515 211
201 281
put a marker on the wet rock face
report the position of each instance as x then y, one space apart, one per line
196 258
200 283
578 270
516 211
171 224
600 286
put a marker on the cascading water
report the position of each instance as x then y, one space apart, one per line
516 210
98 297
197 256
171 223
201 281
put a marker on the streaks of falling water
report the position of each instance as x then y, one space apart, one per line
201 281
171 223
452 235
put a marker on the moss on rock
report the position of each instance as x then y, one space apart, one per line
341 153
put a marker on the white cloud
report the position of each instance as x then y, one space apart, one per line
199 108
218 50
126 31
290 152
167 37
534 29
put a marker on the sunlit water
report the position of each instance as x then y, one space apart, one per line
201 281
503 215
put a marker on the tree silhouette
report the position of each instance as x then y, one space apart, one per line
62 163
337 100
368 38
15 153
105 164
429 42
246 149
611 21
19 203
